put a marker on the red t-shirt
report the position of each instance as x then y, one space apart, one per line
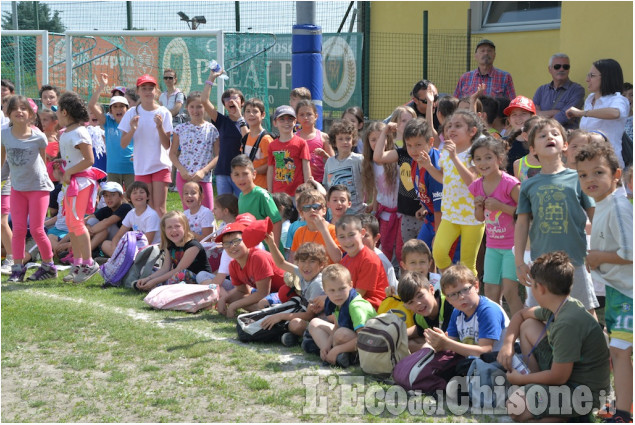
286 158
259 266
367 273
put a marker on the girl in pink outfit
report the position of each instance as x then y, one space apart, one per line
79 182
24 149
495 199
319 147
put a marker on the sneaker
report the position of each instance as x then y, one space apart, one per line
343 360
66 258
289 339
86 272
44 272
6 266
308 345
71 274
17 273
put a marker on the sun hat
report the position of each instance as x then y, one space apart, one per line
520 102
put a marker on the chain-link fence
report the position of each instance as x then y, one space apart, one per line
20 62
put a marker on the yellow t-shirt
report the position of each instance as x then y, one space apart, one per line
458 203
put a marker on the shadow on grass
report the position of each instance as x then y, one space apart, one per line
21 286
186 346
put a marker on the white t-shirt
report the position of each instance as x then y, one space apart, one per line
149 221
203 218
612 129
69 140
149 156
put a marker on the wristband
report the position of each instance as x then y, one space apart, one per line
208 82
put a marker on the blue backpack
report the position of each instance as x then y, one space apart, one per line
115 269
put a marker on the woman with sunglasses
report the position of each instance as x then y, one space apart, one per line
553 99
172 98
605 109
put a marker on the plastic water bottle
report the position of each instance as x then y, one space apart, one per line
519 365
215 66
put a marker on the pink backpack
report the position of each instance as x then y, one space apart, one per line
183 297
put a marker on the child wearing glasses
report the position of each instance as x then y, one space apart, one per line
253 198
477 325
254 274
312 209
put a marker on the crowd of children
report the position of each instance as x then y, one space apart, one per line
357 220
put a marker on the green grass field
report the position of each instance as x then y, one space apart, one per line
78 353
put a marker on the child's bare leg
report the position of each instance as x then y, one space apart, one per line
415 344
342 336
263 303
623 376
107 248
493 292
98 238
7 234
159 197
321 332
530 331
298 326
510 292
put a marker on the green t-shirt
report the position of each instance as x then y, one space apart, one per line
259 203
360 311
575 336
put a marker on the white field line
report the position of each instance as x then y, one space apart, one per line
149 318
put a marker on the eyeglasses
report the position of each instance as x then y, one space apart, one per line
232 243
314 207
457 294
592 75
565 66
168 78
425 101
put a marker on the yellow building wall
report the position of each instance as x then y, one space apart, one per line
589 31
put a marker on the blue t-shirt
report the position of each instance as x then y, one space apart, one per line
229 136
119 160
488 321
292 229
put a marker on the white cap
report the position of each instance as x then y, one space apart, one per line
111 187
118 99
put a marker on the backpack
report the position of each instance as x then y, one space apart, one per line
248 324
381 344
114 270
147 261
254 148
426 370
183 297
393 304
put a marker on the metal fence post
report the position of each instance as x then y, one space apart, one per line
366 57
129 15
425 45
468 50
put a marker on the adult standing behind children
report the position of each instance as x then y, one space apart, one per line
231 127
553 99
497 82
172 98
151 126
605 109
119 166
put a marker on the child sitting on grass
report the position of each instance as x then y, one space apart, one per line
307 278
562 344
336 341
430 308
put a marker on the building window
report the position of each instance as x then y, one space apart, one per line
499 16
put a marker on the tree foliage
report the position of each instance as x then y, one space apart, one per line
34 15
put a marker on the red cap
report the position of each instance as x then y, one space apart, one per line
254 231
521 102
146 78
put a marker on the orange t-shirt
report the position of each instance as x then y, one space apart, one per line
304 235
261 156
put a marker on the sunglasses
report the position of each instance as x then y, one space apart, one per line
314 207
425 101
168 78
557 66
